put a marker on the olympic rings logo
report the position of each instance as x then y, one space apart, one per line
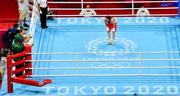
122 45
99 46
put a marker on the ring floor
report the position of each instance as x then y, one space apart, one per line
134 34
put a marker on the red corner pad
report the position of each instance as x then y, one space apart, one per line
31 82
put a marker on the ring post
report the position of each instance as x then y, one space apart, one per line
28 56
9 74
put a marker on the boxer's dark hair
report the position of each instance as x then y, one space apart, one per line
108 17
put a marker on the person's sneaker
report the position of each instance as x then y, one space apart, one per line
23 28
108 43
25 25
46 26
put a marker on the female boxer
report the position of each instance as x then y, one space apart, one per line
111 24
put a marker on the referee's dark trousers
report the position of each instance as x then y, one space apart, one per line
43 17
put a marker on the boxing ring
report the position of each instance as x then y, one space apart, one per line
73 58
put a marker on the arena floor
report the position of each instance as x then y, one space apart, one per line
148 34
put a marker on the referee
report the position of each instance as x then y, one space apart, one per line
42 7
